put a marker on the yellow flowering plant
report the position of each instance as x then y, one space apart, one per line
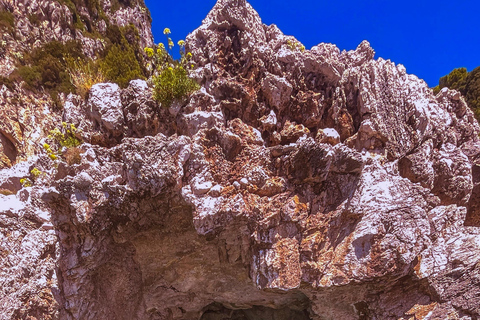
25 182
64 137
171 77
295 45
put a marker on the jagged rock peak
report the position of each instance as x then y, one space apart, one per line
234 11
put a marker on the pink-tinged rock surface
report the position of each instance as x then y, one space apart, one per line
295 184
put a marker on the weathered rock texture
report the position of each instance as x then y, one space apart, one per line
27 116
312 184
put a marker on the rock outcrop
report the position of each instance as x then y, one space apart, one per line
295 184
27 114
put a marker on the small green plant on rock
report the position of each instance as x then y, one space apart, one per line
7 21
294 45
64 138
171 81
36 173
25 182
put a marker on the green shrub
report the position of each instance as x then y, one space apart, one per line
31 76
6 82
120 65
454 80
472 91
171 84
171 81
45 67
123 59
468 83
7 21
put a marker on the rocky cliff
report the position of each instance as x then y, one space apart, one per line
45 29
295 184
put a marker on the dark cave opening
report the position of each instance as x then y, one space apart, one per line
217 311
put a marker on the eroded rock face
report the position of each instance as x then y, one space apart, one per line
28 116
312 184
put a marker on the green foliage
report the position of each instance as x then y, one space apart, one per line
7 82
84 73
36 173
62 67
7 21
472 91
294 45
468 83
26 182
454 80
171 81
117 4
82 21
120 65
45 67
123 59
65 137
31 75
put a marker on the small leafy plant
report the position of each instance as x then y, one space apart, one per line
7 21
25 182
294 45
64 138
36 173
171 81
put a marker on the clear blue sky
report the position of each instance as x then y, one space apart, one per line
429 37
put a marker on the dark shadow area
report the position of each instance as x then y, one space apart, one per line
473 207
217 311
9 148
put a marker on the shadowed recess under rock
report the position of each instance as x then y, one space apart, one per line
217 311
9 150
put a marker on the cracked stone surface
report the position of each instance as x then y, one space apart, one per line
295 184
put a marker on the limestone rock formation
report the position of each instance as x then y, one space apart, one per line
26 115
295 184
